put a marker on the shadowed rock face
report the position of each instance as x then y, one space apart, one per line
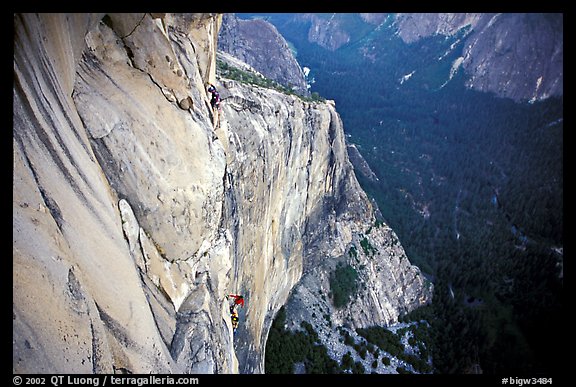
415 26
260 45
518 56
133 218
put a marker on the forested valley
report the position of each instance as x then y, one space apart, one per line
471 183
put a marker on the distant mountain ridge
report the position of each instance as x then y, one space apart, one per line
517 56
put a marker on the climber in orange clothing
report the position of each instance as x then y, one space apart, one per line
234 317
238 299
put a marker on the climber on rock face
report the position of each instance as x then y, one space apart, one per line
215 101
234 317
238 299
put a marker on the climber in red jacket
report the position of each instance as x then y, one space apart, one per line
238 299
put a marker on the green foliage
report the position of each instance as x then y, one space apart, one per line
358 368
378 223
371 348
231 72
314 96
353 252
361 349
347 361
390 342
348 340
343 284
420 365
285 348
383 338
368 249
310 330
402 370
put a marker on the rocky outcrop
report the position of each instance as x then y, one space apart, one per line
374 18
327 31
133 218
259 44
518 56
388 285
360 164
415 26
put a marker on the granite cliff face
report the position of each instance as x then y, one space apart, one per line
133 218
260 45
114 224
